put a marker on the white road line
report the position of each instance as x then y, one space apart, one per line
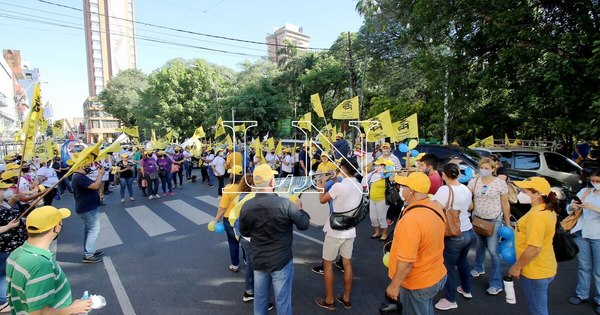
211 200
151 223
108 236
124 301
308 238
189 212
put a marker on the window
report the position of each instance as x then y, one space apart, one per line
559 163
527 161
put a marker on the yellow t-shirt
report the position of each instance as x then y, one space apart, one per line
377 190
229 198
326 167
536 228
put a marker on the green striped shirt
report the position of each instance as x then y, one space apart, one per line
35 280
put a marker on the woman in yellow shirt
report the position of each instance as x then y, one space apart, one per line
326 165
536 264
377 207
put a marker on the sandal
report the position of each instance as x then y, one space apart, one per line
375 236
383 239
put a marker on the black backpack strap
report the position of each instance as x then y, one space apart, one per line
423 206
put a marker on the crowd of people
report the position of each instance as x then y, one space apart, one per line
408 207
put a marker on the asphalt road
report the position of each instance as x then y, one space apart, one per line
161 259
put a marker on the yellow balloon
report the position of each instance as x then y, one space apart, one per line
412 144
211 226
41 188
386 259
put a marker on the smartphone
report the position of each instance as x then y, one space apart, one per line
576 200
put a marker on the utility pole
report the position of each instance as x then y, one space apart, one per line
446 111
352 77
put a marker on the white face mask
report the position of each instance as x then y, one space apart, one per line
596 186
400 191
485 172
523 198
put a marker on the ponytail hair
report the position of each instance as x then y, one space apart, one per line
551 201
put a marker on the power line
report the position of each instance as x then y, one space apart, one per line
181 30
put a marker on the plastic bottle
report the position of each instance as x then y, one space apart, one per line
85 296
509 288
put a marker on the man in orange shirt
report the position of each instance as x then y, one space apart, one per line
416 259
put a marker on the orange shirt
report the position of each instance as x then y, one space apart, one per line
419 238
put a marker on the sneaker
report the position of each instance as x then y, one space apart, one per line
322 303
234 268
475 273
171 194
493 291
340 299
444 305
339 266
151 197
575 300
98 253
271 306
317 269
466 295
122 200
5 308
156 196
248 296
91 259
131 198
164 194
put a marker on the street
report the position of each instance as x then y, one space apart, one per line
161 259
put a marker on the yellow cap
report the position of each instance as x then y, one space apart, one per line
4 185
323 153
12 166
540 184
44 218
124 155
9 174
236 170
339 135
416 181
230 147
161 152
263 173
382 161
386 145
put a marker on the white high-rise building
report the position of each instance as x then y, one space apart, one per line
289 34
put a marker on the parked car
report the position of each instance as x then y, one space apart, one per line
462 156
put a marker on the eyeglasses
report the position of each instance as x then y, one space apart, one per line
484 189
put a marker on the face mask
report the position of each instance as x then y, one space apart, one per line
485 173
523 198
220 153
427 171
596 186
400 192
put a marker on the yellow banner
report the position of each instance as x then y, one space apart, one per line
220 129
239 128
49 150
347 109
31 124
279 148
85 157
228 140
258 150
270 143
114 147
486 143
133 131
316 104
199 133
405 129
57 132
384 129
304 121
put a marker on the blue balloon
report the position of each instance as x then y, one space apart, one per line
463 179
414 153
403 148
509 255
506 233
469 172
388 171
506 244
219 227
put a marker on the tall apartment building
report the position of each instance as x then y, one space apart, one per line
110 47
288 34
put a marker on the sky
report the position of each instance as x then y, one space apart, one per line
52 39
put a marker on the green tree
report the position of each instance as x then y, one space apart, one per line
121 97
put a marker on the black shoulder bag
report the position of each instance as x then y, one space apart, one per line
349 219
392 194
564 246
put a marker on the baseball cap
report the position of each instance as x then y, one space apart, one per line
323 153
540 184
416 181
44 218
339 135
12 166
10 174
263 173
4 185
382 161
236 170
386 145
124 155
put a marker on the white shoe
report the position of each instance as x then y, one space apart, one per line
122 200
5 308
493 291
466 295
131 198
156 196
151 197
444 305
475 273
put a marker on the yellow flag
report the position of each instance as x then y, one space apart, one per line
384 129
316 104
31 124
405 129
169 136
506 141
304 121
153 135
327 134
49 150
258 149
199 133
279 148
86 156
133 131
347 109
270 143
220 129
486 142
114 147
228 140
43 125
57 132
324 143
239 128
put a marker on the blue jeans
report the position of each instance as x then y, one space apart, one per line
167 182
536 294
492 243
3 282
234 245
420 301
91 222
588 269
187 165
249 277
126 182
456 250
282 287
211 175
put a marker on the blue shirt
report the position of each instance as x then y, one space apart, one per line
85 199
342 146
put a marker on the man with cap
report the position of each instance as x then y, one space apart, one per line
228 201
87 200
416 265
269 221
386 153
36 283
326 165
271 158
341 147
47 177
304 160
287 163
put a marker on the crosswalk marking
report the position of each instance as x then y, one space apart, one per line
108 236
151 223
189 212
211 200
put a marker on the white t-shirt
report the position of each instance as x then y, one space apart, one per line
346 196
187 155
219 166
50 174
271 159
396 161
462 201
290 167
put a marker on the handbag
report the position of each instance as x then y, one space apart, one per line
349 219
174 168
153 176
564 246
570 221
452 216
483 227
